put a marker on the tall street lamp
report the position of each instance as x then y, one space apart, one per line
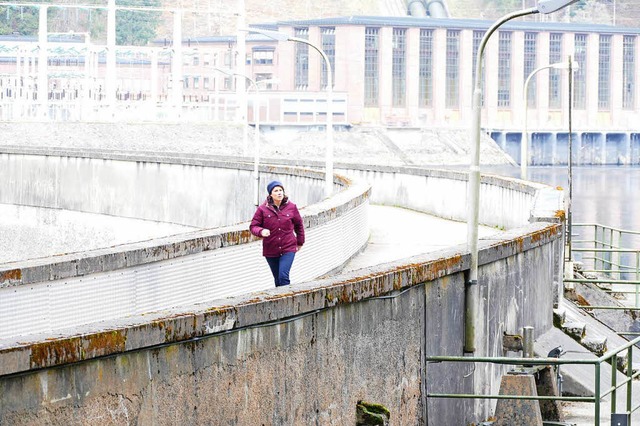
471 295
277 35
524 145
256 114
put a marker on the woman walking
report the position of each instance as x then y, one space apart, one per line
279 224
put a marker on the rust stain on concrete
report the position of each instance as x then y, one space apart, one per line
74 349
11 275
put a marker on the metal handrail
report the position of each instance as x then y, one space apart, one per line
593 224
599 394
609 258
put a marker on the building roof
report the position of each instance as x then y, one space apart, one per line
473 24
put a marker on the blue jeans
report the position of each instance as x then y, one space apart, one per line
280 267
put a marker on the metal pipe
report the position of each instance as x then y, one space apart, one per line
512 397
329 151
527 342
437 9
471 295
524 145
416 9
256 135
277 35
570 161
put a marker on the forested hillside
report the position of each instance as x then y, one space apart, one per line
220 17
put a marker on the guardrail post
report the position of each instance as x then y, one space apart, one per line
629 378
614 390
596 420
637 278
610 257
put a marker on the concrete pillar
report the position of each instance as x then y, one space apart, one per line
615 81
439 63
553 141
501 139
541 112
593 49
350 62
547 385
627 148
412 87
520 412
315 62
491 81
384 73
465 75
517 81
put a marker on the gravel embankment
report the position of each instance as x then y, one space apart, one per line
433 147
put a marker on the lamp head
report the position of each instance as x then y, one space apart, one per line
550 6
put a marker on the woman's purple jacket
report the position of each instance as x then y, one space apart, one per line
285 225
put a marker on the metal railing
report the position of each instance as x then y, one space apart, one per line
599 393
609 258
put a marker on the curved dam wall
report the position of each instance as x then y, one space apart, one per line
504 203
56 294
199 192
303 354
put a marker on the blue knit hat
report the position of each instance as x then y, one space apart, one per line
272 185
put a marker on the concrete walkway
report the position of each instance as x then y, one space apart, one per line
397 233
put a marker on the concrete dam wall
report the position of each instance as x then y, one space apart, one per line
303 354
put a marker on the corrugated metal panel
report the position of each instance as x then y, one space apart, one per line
216 274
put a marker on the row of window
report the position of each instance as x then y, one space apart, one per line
505 67
195 82
259 56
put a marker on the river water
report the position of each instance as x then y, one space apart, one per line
607 195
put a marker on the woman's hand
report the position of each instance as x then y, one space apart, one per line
265 233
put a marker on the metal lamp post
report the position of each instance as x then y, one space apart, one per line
256 113
524 146
277 35
473 205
